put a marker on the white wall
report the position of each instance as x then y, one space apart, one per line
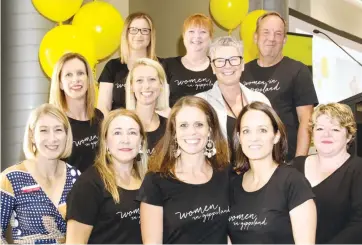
340 14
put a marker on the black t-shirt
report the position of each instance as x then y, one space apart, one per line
287 85
339 203
85 141
186 82
154 136
89 203
262 216
191 213
115 72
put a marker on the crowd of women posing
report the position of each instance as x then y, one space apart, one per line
178 151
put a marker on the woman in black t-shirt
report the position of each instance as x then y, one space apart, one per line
335 175
184 198
138 40
146 92
73 91
192 73
270 202
101 206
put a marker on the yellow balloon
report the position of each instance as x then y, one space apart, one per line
229 13
247 30
63 39
57 10
104 23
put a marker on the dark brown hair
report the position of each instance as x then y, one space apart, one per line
163 159
279 150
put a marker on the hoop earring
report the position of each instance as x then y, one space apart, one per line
210 149
177 150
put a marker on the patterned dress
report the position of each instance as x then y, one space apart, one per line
25 206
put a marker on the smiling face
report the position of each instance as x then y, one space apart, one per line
146 84
228 74
49 137
196 39
270 37
329 137
139 41
123 139
74 79
257 137
192 130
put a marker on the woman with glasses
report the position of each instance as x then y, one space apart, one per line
228 96
192 73
138 40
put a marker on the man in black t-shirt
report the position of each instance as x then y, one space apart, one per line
287 83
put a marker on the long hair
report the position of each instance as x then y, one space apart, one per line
104 162
242 163
163 159
57 95
163 99
46 109
124 48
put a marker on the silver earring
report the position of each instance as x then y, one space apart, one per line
140 150
210 149
177 151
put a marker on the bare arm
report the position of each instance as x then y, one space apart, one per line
303 139
304 222
105 95
78 233
151 223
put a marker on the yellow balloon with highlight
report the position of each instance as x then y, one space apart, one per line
57 10
103 21
247 30
229 13
64 39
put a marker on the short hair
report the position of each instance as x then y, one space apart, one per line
163 159
57 95
225 41
271 13
242 163
340 112
198 20
104 162
124 47
163 99
46 109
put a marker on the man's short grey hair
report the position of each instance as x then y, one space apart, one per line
225 41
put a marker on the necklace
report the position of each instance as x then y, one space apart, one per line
231 110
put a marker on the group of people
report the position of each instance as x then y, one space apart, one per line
194 149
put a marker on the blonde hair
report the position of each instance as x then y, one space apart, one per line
199 20
271 13
162 100
225 41
46 109
124 47
57 95
340 112
104 162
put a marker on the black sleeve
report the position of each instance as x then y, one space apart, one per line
107 75
303 90
352 233
298 189
150 191
84 200
298 163
164 63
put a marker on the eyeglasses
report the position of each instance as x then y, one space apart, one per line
233 61
134 31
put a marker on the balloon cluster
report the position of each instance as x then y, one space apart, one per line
95 31
230 14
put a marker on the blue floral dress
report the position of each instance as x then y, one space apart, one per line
32 215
